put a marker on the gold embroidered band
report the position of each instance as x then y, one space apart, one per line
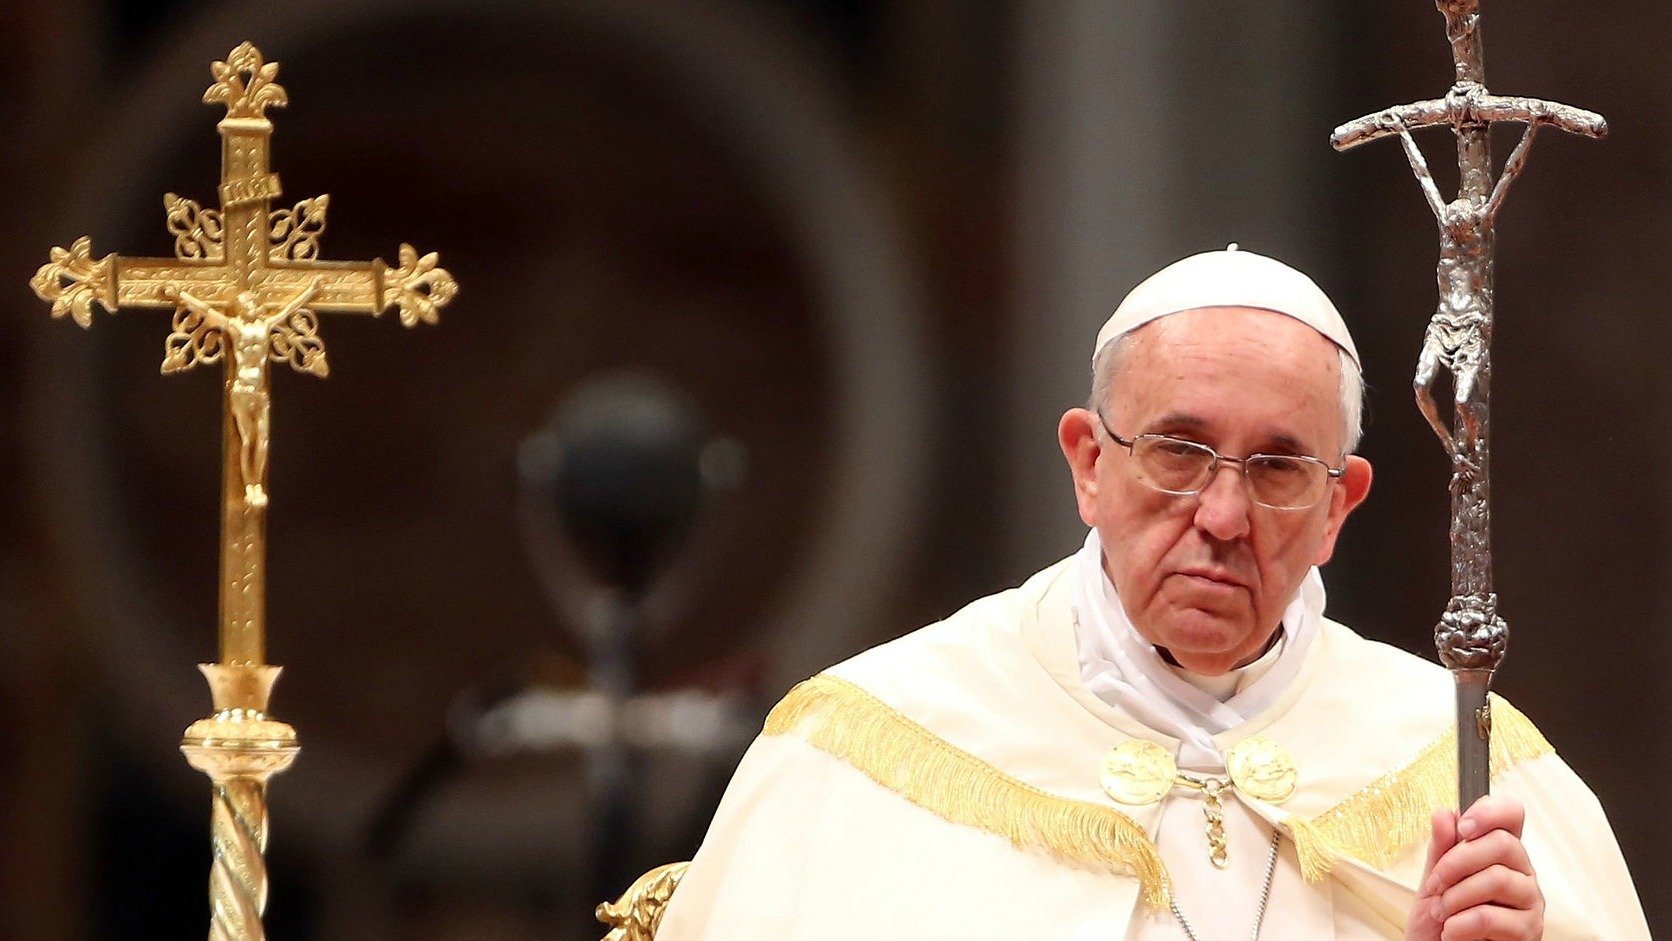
1374 825
838 717
1381 821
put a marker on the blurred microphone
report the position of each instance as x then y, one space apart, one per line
626 464
615 482
620 468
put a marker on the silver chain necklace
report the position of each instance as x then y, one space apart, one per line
1265 896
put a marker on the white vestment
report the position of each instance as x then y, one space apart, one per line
945 785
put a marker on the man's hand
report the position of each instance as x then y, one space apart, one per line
1478 882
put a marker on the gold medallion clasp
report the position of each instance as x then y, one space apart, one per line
1262 769
1137 772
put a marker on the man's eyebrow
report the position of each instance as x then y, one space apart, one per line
1285 441
1279 442
1178 420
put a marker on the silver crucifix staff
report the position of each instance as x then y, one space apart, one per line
1471 637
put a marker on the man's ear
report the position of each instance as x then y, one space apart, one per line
1078 436
1347 494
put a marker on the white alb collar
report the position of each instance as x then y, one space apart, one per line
1124 670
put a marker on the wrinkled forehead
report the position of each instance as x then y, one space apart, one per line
1246 372
1229 279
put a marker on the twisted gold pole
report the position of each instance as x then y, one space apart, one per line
239 748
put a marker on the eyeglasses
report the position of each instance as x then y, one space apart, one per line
1185 468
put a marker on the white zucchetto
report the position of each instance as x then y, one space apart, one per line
1229 278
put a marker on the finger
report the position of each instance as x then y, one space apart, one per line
1427 914
1496 848
1490 923
1496 885
1492 812
1425 920
1442 837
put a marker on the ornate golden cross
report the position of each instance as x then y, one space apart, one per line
245 286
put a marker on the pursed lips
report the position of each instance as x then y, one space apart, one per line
1212 578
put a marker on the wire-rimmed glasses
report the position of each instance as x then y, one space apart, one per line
1183 467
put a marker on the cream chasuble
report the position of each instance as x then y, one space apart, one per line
946 785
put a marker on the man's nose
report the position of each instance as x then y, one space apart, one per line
1223 506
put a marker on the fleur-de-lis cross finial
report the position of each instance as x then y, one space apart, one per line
246 84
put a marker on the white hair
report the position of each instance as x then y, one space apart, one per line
1109 359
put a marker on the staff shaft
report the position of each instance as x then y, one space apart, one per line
1471 507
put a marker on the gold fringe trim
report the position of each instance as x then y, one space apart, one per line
1378 823
844 720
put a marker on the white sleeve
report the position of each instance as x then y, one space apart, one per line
1588 892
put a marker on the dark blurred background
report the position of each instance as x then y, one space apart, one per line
854 252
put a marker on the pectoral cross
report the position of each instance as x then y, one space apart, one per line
1471 638
246 287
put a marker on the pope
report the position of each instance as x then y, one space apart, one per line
1162 736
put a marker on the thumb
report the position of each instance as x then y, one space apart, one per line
1427 916
1442 837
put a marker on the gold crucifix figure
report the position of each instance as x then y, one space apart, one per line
255 336
246 287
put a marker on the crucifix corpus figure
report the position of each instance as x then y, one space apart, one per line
255 336
1458 334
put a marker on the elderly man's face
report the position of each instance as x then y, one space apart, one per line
1208 576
